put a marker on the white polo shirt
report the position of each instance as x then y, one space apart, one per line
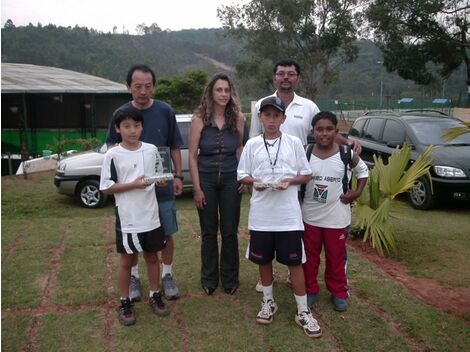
299 115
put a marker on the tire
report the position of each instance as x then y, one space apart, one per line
420 195
89 194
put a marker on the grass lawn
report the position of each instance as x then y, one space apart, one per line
59 286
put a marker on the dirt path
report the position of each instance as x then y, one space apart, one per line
453 301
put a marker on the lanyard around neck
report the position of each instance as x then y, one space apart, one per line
273 163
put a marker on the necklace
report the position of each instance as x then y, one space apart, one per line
271 144
266 144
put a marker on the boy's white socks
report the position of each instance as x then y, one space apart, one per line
268 293
301 303
167 269
135 271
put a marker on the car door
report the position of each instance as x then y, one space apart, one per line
393 136
371 139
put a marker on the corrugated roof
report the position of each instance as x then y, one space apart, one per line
25 78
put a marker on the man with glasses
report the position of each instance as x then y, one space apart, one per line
299 112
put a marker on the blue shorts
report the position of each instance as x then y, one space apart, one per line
286 245
167 214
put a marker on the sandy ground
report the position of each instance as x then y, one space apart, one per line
462 113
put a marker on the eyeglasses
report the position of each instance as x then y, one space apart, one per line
288 74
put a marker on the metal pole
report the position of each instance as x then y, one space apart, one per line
381 92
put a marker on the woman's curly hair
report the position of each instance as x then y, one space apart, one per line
232 110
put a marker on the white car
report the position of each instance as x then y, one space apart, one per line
79 175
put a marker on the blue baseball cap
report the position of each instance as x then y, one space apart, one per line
274 102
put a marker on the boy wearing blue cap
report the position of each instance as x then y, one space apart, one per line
274 163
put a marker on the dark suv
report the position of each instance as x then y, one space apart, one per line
381 132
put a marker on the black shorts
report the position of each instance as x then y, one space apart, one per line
287 245
130 243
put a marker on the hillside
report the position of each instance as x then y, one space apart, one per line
172 53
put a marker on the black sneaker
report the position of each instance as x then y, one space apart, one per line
126 312
157 304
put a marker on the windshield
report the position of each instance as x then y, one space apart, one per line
431 132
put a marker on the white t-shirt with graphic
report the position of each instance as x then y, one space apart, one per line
322 206
274 210
137 209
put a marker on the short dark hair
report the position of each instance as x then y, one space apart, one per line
324 115
140 67
126 113
287 62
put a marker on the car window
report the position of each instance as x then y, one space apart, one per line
393 131
184 130
373 129
357 128
431 132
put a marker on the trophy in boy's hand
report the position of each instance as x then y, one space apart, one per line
158 166
269 178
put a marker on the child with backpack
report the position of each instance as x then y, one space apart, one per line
326 209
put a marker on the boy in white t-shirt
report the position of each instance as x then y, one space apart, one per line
326 210
274 163
138 227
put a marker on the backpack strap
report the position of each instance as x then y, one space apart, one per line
345 153
303 186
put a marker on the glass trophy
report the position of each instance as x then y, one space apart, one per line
158 166
269 177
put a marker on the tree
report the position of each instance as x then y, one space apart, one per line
414 33
183 93
9 24
319 35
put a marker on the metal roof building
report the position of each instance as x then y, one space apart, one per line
40 103
25 78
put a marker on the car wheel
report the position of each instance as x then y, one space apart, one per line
420 194
89 194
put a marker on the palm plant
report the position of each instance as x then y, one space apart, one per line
372 210
456 132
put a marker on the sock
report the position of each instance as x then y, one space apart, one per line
152 292
123 299
167 269
135 271
268 293
301 303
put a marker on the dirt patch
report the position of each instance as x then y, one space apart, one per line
462 113
453 301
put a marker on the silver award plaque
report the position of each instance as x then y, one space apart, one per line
158 166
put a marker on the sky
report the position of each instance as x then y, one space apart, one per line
103 15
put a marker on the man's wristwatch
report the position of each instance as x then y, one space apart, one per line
179 176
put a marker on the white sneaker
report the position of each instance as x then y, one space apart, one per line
259 287
265 315
309 324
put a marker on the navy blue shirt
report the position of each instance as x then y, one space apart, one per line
218 149
160 129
